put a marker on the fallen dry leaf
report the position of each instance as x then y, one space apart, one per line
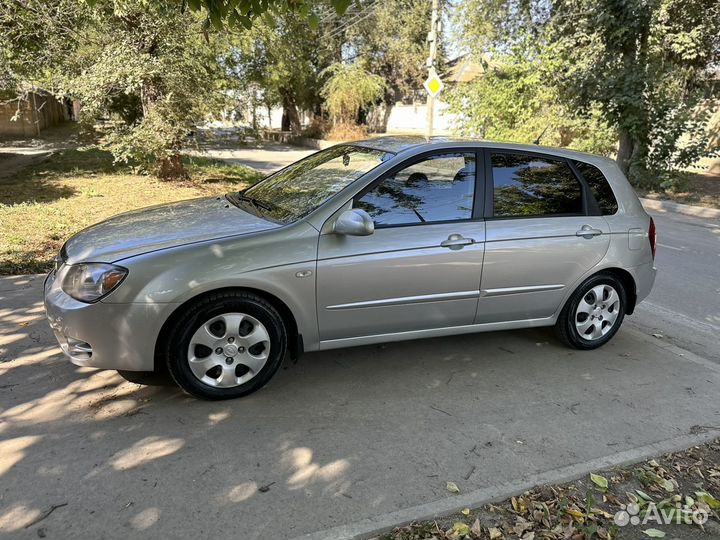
452 487
495 533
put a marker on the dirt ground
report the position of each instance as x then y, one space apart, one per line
696 188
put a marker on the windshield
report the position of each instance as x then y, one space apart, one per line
297 190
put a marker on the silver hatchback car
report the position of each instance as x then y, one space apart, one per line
379 240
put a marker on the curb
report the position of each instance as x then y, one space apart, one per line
688 210
372 527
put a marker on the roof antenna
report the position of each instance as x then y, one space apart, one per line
537 141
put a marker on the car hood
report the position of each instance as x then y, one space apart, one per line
162 226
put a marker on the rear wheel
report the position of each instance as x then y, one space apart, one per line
226 345
594 313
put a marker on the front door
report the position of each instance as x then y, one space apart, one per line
421 267
541 236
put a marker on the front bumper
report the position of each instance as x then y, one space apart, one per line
104 335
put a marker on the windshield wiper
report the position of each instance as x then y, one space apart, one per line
258 203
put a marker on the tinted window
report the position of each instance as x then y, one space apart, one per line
599 187
534 186
439 188
297 190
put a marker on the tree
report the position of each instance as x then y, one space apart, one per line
148 61
349 88
514 98
642 62
282 57
390 39
245 13
635 67
511 101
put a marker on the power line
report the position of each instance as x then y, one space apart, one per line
353 22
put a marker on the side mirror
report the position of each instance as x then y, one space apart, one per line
354 222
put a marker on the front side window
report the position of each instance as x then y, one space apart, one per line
438 188
297 190
599 187
526 185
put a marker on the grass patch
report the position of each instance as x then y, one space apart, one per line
42 205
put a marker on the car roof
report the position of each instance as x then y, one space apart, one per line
399 144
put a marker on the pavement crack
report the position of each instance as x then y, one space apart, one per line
439 410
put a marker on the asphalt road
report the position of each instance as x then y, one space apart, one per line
364 436
266 156
684 305
340 437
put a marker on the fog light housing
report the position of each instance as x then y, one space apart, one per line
79 349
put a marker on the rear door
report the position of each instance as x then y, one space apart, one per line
543 232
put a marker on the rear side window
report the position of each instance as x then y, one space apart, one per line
599 187
526 185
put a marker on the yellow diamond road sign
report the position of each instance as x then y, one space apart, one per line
433 85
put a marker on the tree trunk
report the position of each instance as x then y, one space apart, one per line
169 167
566 137
291 117
625 151
172 168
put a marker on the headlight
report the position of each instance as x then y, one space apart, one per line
89 282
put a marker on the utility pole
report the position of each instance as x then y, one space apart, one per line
432 40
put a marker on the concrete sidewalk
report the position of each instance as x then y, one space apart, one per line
343 437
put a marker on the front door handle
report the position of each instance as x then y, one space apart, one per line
456 241
586 231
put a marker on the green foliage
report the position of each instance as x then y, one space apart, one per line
278 62
630 70
244 13
391 42
153 54
512 102
643 65
349 88
146 62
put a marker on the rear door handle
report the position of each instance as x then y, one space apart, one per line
456 241
586 231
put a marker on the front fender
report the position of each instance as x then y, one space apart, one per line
270 261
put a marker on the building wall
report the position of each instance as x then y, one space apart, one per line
37 112
412 118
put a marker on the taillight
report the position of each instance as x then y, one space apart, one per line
652 235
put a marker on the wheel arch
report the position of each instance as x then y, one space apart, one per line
629 284
625 277
295 339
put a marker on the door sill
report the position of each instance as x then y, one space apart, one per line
434 332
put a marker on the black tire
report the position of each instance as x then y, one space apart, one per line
178 341
565 327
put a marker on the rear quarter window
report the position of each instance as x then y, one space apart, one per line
599 186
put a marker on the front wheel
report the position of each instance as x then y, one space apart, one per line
593 314
226 345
